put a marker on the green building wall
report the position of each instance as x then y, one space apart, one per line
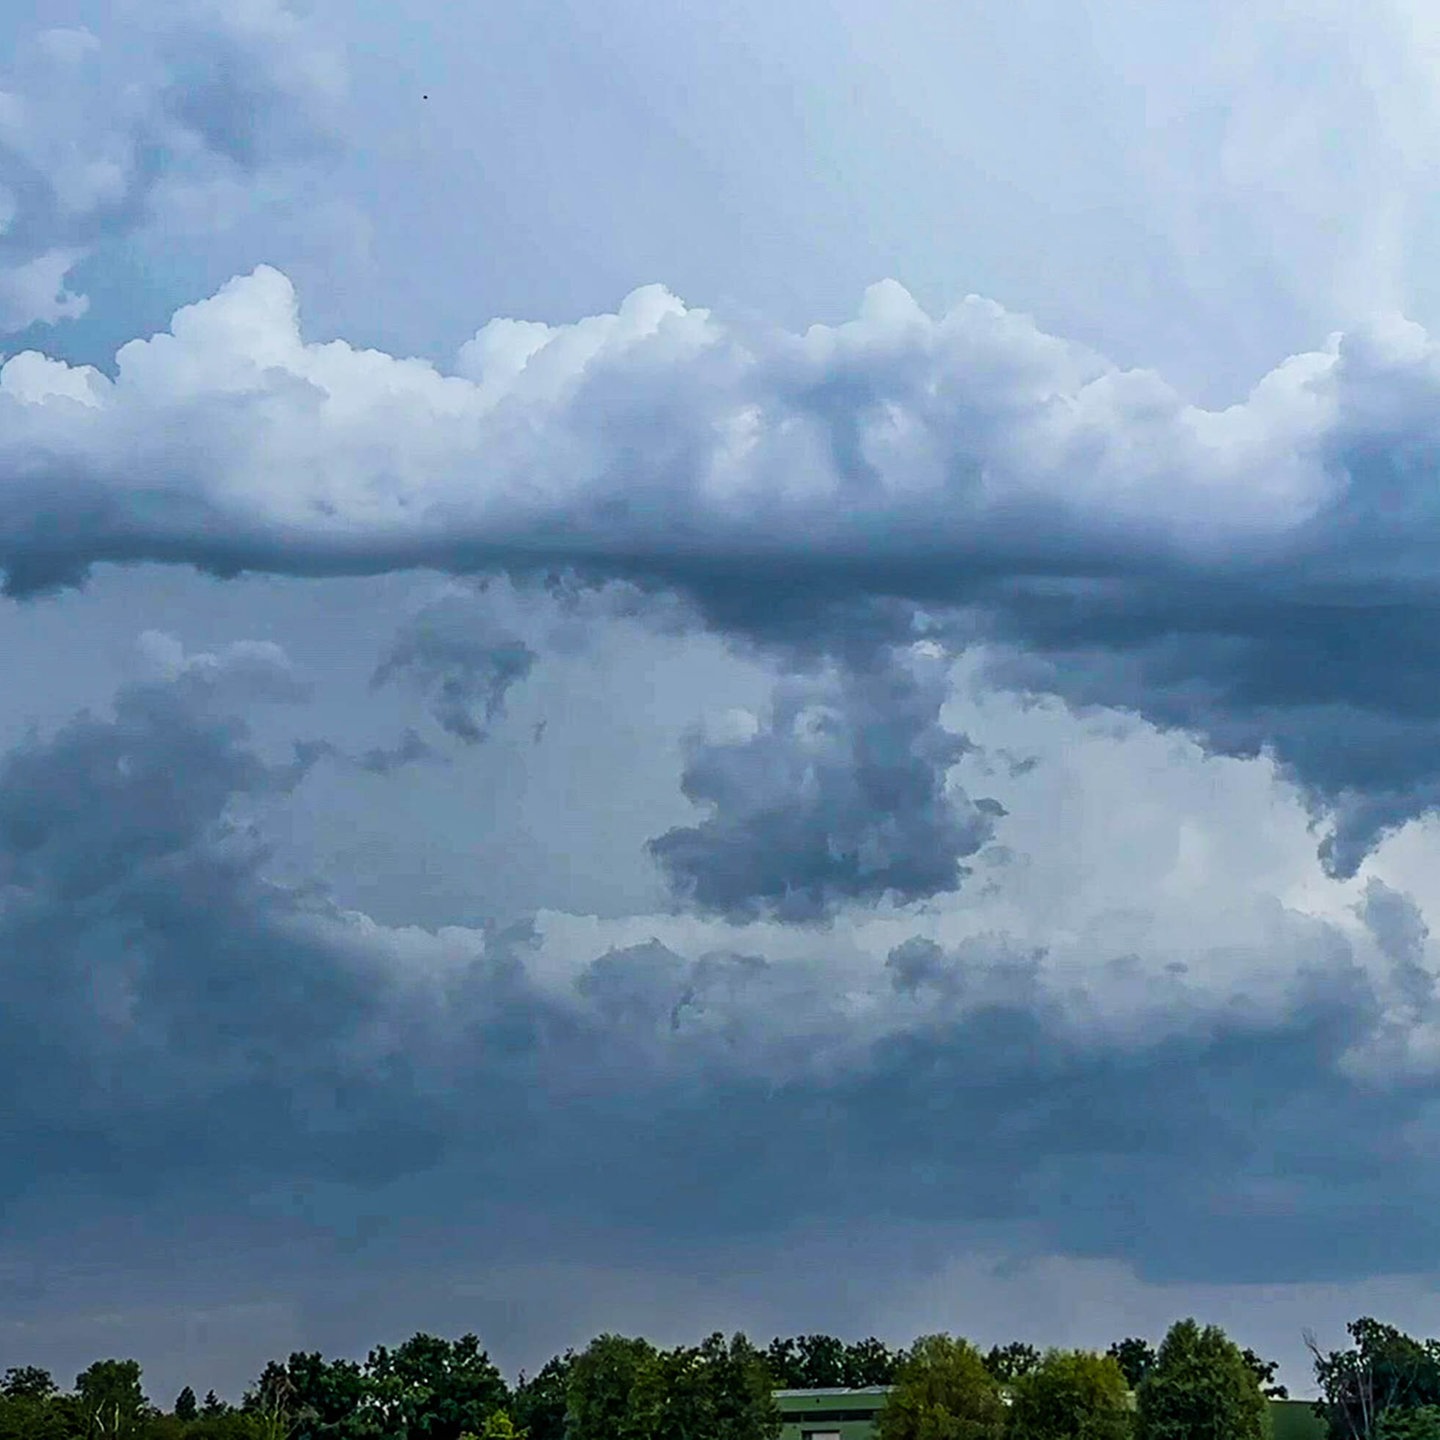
850 1415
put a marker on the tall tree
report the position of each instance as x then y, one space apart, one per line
187 1407
1009 1362
538 1405
717 1390
28 1382
433 1389
310 1398
1071 1395
1265 1375
807 1362
1135 1358
606 1379
32 1408
870 1362
819 1362
110 1400
1200 1388
1383 1370
942 1392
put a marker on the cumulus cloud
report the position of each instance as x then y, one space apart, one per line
153 977
453 652
842 794
1115 545
983 968
1400 930
159 982
99 135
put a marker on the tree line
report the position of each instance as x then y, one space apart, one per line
1196 1385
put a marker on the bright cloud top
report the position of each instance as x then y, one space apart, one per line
653 434
1122 547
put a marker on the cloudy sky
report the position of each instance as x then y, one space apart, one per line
671 670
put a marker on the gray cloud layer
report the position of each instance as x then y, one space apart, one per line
175 1023
154 979
1258 577
453 653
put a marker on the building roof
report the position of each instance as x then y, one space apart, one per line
835 1390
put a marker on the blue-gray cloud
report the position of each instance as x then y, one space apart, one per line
175 1022
154 980
1400 931
453 653
1259 577
839 795
99 134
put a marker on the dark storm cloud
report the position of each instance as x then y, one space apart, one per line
165 1006
980 968
1260 577
840 795
382 760
1400 931
1219 1147
175 1023
1342 693
452 653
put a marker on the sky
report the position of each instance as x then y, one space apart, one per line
676 671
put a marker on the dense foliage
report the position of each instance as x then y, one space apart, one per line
818 1362
1200 1388
1198 1385
1384 1385
1071 1395
943 1392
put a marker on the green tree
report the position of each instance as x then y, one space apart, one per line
213 1406
187 1407
1383 1370
870 1362
31 1407
538 1404
807 1362
498 1426
606 1378
717 1390
817 1362
111 1402
1416 1422
1265 1374
1009 1362
1200 1388
1071 1395
1136 1358
433 1389
234 1424
309 1398
942 1392
28 1382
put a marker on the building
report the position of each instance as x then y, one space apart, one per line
850 1415
830 1414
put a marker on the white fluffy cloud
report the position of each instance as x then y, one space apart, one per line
171 121
1123 547
658 434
